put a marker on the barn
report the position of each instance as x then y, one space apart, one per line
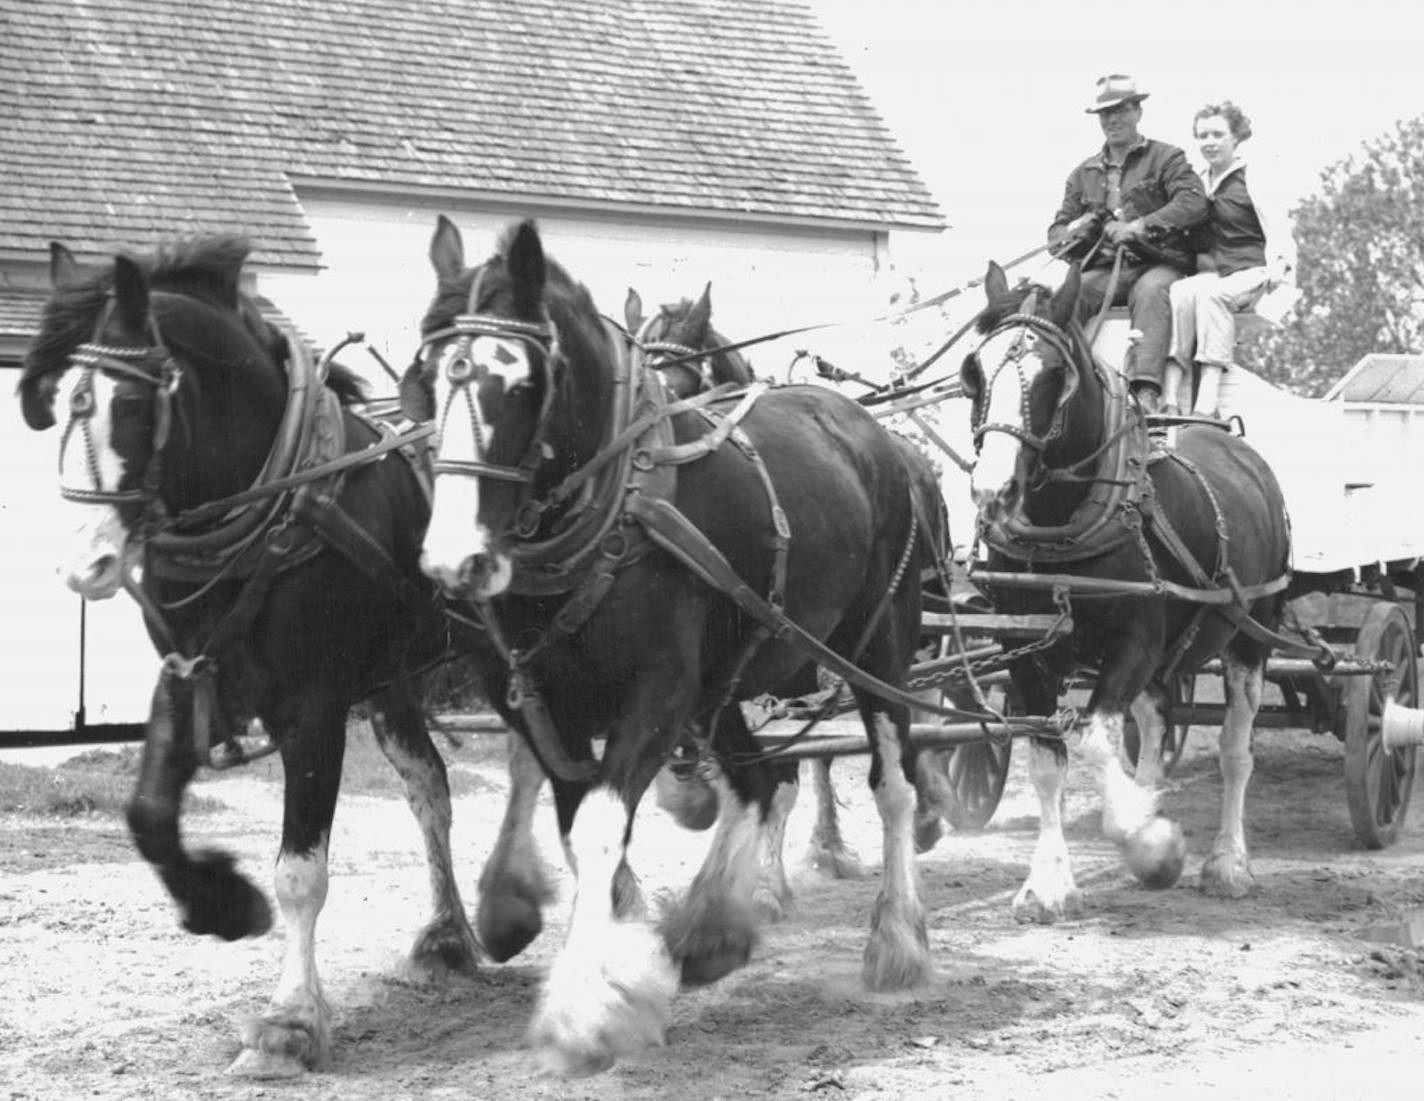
661 144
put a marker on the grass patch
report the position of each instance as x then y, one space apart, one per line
96 783
365 770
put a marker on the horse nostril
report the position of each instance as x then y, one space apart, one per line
103 566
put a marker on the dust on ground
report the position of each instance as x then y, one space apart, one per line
1168 992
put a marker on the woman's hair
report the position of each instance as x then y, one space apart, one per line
1235 118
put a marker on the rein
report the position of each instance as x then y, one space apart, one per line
287 516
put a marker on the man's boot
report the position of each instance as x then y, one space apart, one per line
1148 396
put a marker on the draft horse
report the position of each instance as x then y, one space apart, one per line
617 547
1067 483
183 408
691 356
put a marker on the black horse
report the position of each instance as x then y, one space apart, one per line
619 550
680 342
286 607
1066 483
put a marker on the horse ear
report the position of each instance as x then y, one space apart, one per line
447 250
527 268
701 312
1065 298
996 283
633 311
63 267
416 401
130 295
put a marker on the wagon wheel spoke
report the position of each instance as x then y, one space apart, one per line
1379 781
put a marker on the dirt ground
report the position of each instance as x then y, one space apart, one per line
1173 993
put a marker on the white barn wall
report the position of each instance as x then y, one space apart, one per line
39 649
765 278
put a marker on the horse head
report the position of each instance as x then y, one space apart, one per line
673 338
1037 404
515 369
171 395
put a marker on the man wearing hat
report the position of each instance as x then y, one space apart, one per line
1140 197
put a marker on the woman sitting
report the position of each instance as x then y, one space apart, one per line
1244 254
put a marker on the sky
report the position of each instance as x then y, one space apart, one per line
987 98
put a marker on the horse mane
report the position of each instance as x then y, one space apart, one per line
206 267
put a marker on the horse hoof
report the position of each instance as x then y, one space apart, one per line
836 862
445 946
928 833
508 924
1156 853
1032 909
263 1065
691 800
712 962
285 1044
222 903
1227 877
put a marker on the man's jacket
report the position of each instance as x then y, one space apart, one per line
1158 186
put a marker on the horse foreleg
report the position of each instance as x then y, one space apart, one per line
1151 728
1050 893
828 851
610 989
897 955
1227 871
447 943
294 1034
712 929
515 886
1152 846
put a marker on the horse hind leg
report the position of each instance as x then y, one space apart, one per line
1227 871
828 851
446 943
897 955
515 885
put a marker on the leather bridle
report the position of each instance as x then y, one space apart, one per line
1040 328
664 355
151 365
464 377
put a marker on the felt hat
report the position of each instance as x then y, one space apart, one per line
1114 89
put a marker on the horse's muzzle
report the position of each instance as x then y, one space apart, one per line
476 577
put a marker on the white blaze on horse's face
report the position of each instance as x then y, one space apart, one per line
459 551
1010 365
93 561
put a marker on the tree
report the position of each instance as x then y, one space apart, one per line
1360 267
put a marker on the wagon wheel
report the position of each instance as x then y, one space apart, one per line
1174 738
975 772
1377 782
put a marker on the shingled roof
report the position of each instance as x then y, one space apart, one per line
1382 378
139 118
